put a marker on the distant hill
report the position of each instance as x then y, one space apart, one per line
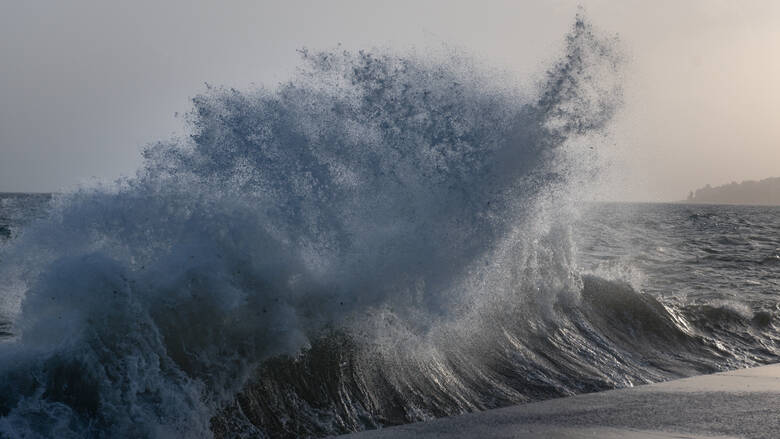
765 192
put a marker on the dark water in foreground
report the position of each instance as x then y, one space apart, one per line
668 290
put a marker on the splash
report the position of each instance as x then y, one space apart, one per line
418 207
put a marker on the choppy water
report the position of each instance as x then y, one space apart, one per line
669 290
383 239
717 268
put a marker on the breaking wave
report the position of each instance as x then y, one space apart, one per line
380 240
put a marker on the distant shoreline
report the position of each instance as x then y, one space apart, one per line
764 192
708 203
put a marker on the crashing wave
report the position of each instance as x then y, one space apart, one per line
380 240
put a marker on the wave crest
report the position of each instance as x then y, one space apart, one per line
406 203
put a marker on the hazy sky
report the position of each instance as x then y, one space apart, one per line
84 85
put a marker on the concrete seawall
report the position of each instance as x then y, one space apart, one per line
738 404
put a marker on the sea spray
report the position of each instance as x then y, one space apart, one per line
402 220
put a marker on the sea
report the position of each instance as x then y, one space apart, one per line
383 239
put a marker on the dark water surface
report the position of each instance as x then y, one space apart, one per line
668 290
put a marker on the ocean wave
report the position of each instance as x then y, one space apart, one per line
614 337
380 240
